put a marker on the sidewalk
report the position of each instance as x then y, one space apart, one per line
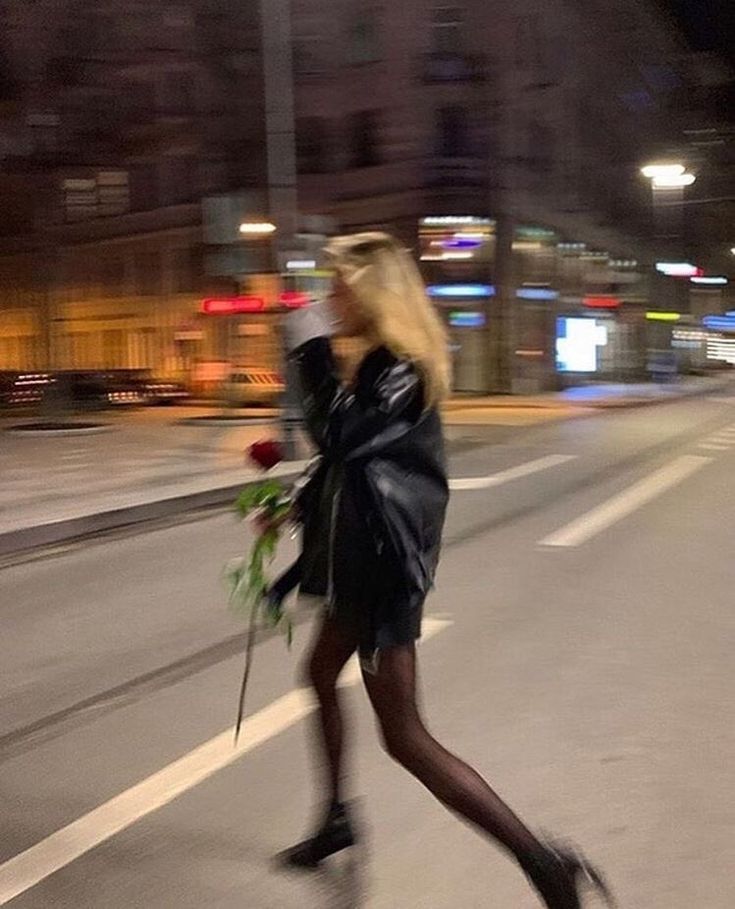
597 396
152 463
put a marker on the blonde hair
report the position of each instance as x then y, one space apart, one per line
390 293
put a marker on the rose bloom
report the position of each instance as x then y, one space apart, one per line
265 454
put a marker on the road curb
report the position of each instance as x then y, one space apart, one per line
16 542
610 403
20 430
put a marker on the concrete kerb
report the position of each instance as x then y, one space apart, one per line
557 403
71 430
15 542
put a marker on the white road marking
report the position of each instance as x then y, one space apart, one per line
514 473
720 399
29 868
713 446
620 506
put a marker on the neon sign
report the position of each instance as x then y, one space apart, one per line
467 319
461 290
230 306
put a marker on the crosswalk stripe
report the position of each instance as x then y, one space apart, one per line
29 868
625 503
513 473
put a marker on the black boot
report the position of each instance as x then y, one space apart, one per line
334 835
560 875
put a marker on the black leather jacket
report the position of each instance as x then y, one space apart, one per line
377 493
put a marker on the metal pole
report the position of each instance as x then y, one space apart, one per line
275 21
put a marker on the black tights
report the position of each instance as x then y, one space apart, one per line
392 693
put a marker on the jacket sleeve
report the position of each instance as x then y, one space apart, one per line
342 423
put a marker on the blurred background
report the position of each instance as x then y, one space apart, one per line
563 172
169 173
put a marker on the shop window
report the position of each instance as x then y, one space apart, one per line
363 134
113 348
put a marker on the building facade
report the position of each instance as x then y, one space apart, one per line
500 141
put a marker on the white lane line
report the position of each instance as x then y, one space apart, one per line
513 473
620 506
29 868
714 446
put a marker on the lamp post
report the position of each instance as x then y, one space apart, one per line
290 419
668 181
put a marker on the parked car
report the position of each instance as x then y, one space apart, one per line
25 389
80 389
160 392
249 385
7 383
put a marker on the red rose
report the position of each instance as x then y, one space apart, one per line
265 454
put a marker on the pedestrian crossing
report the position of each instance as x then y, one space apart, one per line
722 440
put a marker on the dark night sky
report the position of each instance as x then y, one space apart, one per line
707 24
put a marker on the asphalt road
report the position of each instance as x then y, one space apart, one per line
578 652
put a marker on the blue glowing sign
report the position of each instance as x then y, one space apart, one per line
577 343
461 290
719 323
537 293
467 319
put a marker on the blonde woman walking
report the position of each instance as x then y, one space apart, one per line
372 514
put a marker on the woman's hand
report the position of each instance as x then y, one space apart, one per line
265 521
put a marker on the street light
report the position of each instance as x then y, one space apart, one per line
667 176
258 228
673 181
651 171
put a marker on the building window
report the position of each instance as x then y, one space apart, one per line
111 275
528 41
177 16
105 193
452 132
179 180
541 147
447 26
363 132
308 56
113 192
80 199
178 93
148 272
186 270
363 37
311 145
